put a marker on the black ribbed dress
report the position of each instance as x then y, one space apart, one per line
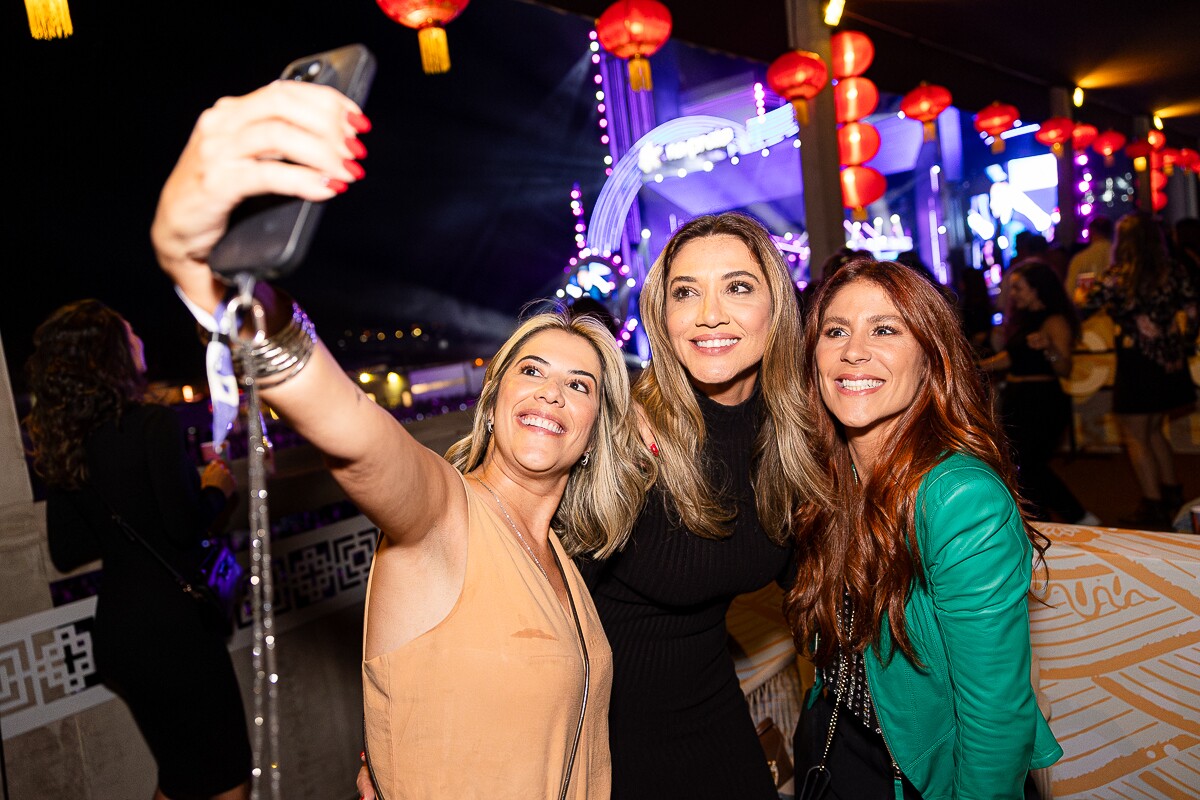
680 726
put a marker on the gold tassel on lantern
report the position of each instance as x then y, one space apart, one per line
49 19
639 74
435 52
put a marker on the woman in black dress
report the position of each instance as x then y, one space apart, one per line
722 398
1156 310
99 446
1037 412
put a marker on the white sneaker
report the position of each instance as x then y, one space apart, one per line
1088 519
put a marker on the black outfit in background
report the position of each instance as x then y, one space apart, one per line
151 647
1152 350
1037 415
679 724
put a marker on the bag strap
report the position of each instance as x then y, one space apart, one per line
134 536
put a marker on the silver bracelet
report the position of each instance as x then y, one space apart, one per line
275 359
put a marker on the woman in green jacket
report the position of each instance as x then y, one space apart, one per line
917 565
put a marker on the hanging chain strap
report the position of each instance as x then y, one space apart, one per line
266 673
816 780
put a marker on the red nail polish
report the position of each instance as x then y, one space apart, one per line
357 148
354 168
654 449
359 121
336 185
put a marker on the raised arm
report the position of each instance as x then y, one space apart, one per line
298 139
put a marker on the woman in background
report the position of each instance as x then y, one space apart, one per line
915 568
1153 304
1042 331
103 450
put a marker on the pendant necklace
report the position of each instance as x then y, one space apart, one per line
514 527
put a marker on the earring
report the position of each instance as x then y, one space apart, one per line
489 426
587 457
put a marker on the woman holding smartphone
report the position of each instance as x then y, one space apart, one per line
481 641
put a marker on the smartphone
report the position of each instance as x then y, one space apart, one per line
269 235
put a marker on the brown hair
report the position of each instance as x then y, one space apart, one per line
81 374
861 538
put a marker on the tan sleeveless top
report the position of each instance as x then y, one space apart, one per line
486 704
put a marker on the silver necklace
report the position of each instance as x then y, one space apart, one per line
513 525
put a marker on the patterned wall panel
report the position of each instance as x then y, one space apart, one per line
1119 644
47 671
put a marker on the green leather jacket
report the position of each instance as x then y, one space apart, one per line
966 724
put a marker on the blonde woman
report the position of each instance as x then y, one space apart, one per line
722 397
480 637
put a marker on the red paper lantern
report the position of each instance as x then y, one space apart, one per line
994 119
1170 157
797 76
1156 138
861 186
1055 133
858 143
1188 158
854 98
850 53
1158 200
924 103
1108 143
1083 135
634 30
1139 148
428 17
1158 180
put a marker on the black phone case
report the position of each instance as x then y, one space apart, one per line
268 236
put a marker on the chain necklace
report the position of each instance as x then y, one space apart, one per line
513 525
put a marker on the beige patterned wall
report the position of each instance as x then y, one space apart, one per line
1119 645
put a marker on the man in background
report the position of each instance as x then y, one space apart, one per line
1090 262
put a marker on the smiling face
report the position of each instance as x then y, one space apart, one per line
718 312
548 403
869 365
1023 295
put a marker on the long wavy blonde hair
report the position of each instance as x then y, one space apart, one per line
785 471
602 500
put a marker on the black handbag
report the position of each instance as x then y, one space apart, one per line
216 585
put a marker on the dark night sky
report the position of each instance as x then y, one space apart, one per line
463 217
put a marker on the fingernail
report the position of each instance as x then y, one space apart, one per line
357 148
359 121
654 449
336 185
354 168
